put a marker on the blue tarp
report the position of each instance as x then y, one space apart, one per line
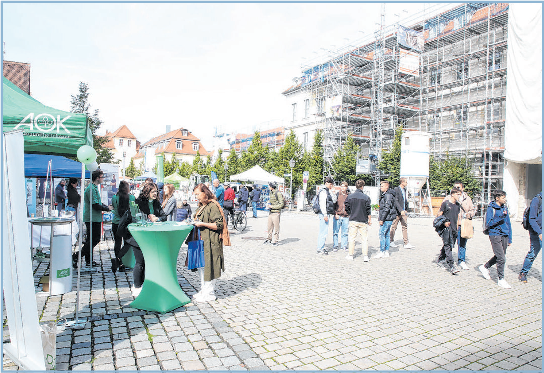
36 166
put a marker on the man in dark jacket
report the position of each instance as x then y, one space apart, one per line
326 204
60 196
535 235
255 197
340 220
358 206
401 202
244 195
386 215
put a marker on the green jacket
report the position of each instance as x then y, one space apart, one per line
96 215
213 244
276 201
115 203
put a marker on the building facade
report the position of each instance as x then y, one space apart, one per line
124 146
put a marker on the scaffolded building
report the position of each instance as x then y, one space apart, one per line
444 74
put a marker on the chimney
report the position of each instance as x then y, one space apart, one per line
168 128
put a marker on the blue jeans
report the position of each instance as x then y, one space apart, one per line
323 230
385 241
243 206
536 245
337 224
254 205
462 246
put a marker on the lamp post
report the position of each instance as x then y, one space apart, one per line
226 168
291 164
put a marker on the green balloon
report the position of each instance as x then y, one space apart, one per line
86 154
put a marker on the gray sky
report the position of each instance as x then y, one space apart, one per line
188 65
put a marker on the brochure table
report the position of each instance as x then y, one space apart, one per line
160 243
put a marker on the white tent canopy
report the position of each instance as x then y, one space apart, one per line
258 176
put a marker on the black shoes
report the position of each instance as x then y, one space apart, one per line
114 264
266 242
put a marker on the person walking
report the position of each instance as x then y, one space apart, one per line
73 197
340 220
244 196
120 203
326 207
209 219
60 195
169 202
275 204
386 215
228 202
219 192
358 206
467 211
255 197
92 215
535 235
451 209
401 199
500 236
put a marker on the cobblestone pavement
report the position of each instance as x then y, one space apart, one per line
285 308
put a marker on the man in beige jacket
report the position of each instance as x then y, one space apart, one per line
468 211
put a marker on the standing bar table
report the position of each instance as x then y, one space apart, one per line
160 243
60 266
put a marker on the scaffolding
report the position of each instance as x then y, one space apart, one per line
444 73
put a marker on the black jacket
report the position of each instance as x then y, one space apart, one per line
122 229
73 197
399 203
388 211
358 206
159 212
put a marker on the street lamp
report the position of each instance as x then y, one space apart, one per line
291 164
226 168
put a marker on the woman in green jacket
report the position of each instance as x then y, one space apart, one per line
120 203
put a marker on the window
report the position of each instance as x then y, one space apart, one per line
179 144
461 115
462 70
184 133
294 112
494 61
436 74
320 105
195 146
120 142
129 142
305 140
124 154
306 108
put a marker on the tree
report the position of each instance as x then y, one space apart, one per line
344 162
233 163
291 149
198 165
80 104
219 165
255 154
314 161
390 163
170 166
444 172
184 169
131 171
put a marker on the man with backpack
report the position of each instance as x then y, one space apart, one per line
255 196
244 195
451 210
401 202
386 215
532 221
275 204
326 207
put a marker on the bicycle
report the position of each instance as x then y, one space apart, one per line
240 220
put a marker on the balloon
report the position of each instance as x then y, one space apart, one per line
92 166
86 154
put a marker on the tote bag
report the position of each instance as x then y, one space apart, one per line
195 251
467 230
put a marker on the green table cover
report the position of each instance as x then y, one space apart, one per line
128 259
160 243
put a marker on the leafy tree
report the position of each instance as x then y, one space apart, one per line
291 149
208 166
198 165
141 169
444 172
314 161
80 104
233 163
131 171
170 166
255 154
184 169
390 163
219 166
344 162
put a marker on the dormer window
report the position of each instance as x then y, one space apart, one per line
129 142
184 133
195 146
120 142
179 144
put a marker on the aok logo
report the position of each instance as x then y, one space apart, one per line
44 122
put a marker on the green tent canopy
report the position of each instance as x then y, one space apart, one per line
46 130
175 179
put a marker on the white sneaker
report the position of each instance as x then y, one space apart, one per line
349 257
464 266
365 258
408 246
502 283
485 272
135 291
392 244
379 255
386 254
205 298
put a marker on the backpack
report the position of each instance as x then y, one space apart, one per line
525 222
484 225
315 204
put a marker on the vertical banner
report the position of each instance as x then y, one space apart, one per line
160 168
305 178
31 196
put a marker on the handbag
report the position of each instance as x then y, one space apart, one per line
195 251
467 230
228 203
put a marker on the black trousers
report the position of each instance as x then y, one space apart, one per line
499 245
138 273
86 249
449 236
